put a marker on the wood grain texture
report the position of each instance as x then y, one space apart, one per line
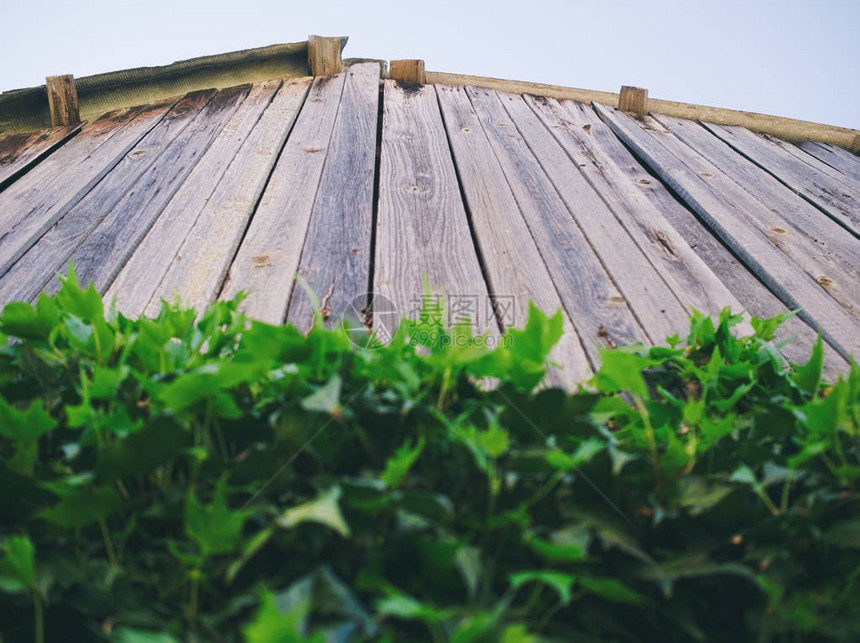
509 256
63 100
36 268
335 262
197 270
633 99
422 231
407 71
600 311
791 222
785 278
803 239
835 157
268 257
324 55
142 274
31 205
654 303
602 158
21 152
102 255
839 199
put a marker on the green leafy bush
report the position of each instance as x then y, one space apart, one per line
207 478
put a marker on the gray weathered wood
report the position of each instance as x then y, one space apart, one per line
142 274
836 157
51 252
109 246
836 198
268 257
509 256
335 262
31 205
600 156
21 152
654 303
600 311
804 239
785 278
792 222
197 270
422 231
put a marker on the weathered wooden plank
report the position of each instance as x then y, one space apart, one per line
407 71
422 231
600 311
600 156
196 271
836 157
655 304
21 152
109 246
30 206
36 268
268 257
785 278
753 296
633 99
141 275
794 223
335 262
63 100
509 256
324 55
833 270
836 198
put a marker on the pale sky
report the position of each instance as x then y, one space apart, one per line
790 58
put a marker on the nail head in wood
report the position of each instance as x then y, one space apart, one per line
408 71
633 99
324 55
63 100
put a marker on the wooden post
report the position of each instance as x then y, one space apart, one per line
408 71
63 100
855 145
324 55
633 99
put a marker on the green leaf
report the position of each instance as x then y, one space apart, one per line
131 635
583 454
18 565
611 589
143 451
398 465
214 527
405 607
326 399
808 376
621 371
30 322
698 495
325 510
562 583
272 625
80 506
25 426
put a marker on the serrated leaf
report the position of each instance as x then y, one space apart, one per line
398 465
325 510
214 527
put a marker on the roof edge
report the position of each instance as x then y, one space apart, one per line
789 129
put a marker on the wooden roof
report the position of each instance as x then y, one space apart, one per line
358 183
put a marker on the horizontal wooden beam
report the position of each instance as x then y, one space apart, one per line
324 55
63 100
408 71
786 128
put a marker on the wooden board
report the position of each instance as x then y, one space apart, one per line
335 262
598 309
197 270
837 199
803 239
31 205
601 158
36 268
422 231
654 303
836 157
141 275
109 246
785 278
797 226
21 152
268 257
509 256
